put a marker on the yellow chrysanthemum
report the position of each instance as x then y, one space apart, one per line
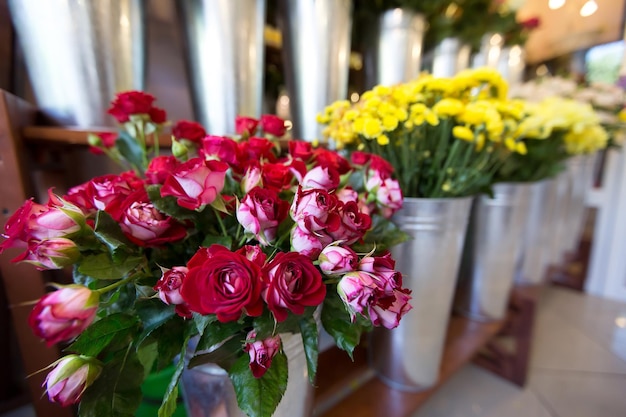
463 133
383 140
448 107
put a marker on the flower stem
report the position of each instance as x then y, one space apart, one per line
219 220
116 284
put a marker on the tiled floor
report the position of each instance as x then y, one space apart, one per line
578 368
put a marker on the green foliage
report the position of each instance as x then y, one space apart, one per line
259 397
336 321
117 327
310 340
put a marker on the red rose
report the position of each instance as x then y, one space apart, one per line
301 149
143 224
531 23
157 115
353 226
108 190
325 178
273 125
191 131
160 169
276 176
261 353
293 284
107 141
79 196
129 103
256 148
225 149
224 283
327 158
246 125
196 182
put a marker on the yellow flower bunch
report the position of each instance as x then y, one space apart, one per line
444 136
553 130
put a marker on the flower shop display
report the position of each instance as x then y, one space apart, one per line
214 254
446 138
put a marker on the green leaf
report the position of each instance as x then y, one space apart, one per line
383 235
168 406
153 314
310 340
108 231
100 334
101 266
169 337
224 355
147 355
336 321
216 333
203 321
259 397
130 149
209 240
117 391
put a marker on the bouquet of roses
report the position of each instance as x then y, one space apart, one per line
227 243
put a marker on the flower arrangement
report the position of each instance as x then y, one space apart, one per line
553 130
446 137
227 242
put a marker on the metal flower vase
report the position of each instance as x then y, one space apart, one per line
208 392
580 177
539 233
224 54
512 63
397 47
409 357
450 56
489 53
316 56
558 225
492 251
80 53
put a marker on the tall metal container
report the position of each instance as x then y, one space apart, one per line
580 176
225 55
409 356
559 223
79 54
316 56
450 56
511 64
490 49
539 233
492 251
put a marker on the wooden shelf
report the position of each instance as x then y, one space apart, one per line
364 395
72 136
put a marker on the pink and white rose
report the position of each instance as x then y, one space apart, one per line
336 259
196 183
260 213
70 377
261 352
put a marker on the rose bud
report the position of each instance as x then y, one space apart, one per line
245 125
251 179
169 285
129 103
338 260
388 310
261 353
387 193
293 283
260 212
70 377
160 168
63 314
356 289
325 178
273 125
301 149
306 243
55 253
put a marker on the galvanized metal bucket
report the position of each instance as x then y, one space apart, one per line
580 176
512 63
492 251
559 223
316 55
449 57
208 392
539 233
409 356
398 47
80 53
225 54
490 49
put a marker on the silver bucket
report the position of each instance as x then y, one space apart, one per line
449 57
208 392
539 233
316 55
489 53
225 54
559 223
580 177
409 356
511 64
399 43
492 251
79 54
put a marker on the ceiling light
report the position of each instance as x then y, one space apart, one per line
588 8
556 4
